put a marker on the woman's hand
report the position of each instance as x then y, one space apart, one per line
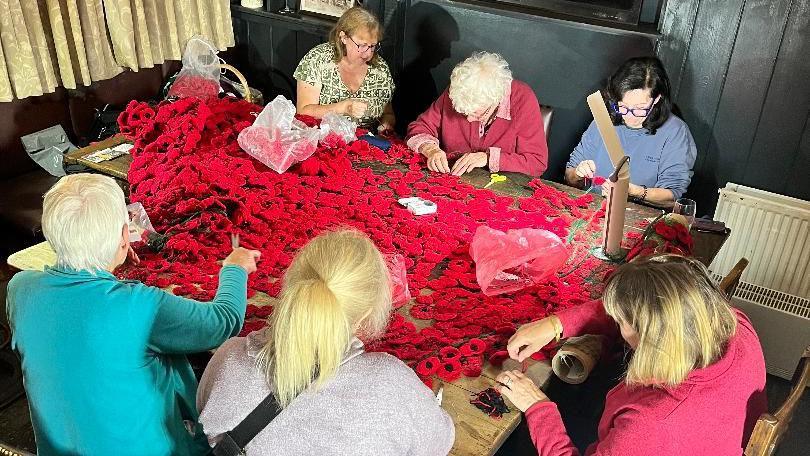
470 161
530 338
244 258
636 191
353 107
586 169
132 256
437 160
520 390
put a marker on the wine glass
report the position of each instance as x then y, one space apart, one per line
286 9
687 208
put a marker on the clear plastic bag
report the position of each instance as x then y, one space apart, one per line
340 125
506 262
277 138
140 227
199 76
400 294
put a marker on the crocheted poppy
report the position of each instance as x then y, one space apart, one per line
449 354
428 366
449 370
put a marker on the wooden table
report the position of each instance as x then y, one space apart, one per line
117 167
476 433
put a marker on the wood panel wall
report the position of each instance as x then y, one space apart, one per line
740 71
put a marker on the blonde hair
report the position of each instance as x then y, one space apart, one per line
83 216
479 82
682 319
354 20
336 287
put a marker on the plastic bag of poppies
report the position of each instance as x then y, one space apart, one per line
199 76
277 138
507 262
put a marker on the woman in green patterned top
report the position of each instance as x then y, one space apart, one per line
346 76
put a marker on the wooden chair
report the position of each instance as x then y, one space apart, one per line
770 429
732 279
546 112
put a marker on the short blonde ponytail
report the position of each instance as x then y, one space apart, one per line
336 287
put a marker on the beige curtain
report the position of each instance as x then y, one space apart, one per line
48 43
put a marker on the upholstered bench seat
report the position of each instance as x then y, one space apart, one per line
21 208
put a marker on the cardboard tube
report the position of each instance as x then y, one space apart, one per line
577 357
614 218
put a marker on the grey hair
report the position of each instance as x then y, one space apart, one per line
83 216
479 82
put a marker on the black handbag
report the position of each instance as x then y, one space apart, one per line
233 442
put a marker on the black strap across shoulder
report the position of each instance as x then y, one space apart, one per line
233 443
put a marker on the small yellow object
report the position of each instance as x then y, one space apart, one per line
495 178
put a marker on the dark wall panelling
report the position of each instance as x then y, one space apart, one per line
744 92
677 26
775 152
269 46
741 77
562 61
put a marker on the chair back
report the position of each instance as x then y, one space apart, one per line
7 450
732 279
770 428
546 112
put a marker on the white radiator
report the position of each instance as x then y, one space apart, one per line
772 231
782 322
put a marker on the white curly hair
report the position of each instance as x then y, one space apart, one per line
479 82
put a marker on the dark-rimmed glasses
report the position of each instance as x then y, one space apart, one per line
635 112
366 47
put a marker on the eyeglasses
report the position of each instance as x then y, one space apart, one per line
635 112
366 47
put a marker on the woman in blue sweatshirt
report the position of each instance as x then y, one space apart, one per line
661 149
104 359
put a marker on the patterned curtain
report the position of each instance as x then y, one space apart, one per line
48 43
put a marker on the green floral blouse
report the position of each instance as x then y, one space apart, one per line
319 69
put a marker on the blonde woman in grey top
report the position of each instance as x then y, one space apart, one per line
346 75
336 398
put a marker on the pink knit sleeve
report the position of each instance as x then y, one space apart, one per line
547 430
427 127
587 318
631 434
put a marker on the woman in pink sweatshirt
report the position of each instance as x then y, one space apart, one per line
695 383
486 118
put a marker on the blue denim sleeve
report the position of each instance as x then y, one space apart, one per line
677 161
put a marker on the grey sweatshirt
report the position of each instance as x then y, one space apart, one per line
375 405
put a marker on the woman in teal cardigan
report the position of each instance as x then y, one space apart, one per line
104 359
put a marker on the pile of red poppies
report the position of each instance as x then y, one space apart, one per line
198 187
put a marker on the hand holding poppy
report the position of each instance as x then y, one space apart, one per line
530 338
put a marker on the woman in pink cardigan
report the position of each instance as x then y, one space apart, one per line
695 383
489 118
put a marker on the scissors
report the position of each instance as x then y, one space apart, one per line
495 178
234 240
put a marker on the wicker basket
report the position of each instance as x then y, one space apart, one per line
248 95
